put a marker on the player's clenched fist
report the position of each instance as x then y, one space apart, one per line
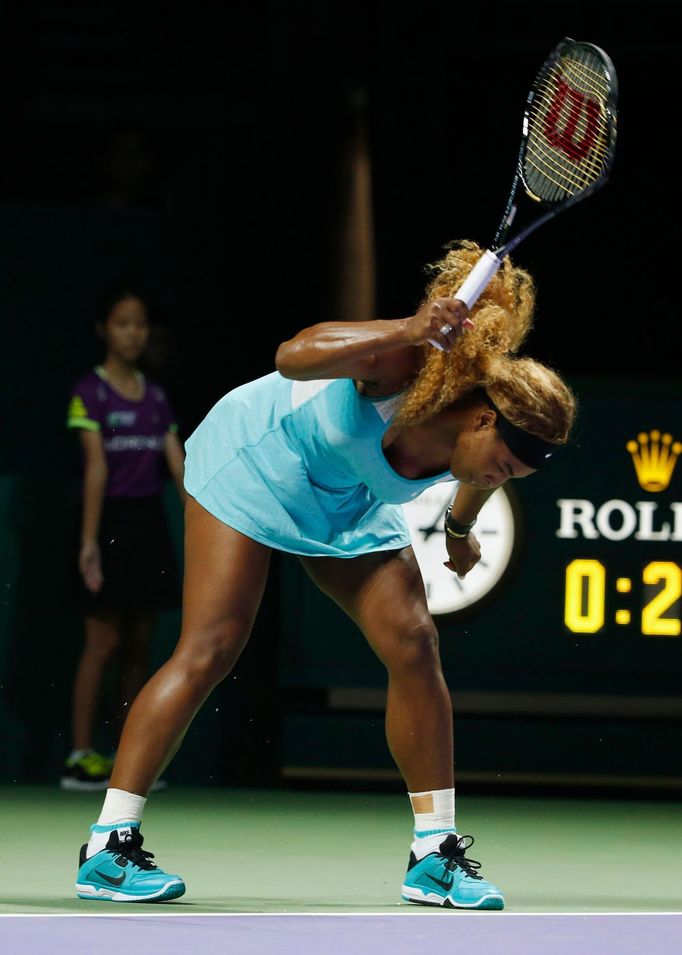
442 321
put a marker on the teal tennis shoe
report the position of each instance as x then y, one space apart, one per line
448 879
123 872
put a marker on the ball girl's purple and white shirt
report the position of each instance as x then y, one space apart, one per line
133 432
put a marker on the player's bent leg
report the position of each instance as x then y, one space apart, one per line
384 595
225 574
124 872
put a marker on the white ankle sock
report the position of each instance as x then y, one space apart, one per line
434 818
120 810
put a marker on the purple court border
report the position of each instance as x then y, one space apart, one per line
345 934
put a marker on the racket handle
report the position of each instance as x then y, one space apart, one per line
475 283
478 278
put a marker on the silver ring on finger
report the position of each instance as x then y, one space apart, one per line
446 329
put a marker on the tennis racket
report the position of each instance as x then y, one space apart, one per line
567 149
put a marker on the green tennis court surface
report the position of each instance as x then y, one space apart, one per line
295 852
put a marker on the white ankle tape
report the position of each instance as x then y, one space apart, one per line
121 807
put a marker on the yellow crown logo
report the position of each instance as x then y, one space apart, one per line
654 456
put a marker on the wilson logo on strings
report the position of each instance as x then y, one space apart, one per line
578 106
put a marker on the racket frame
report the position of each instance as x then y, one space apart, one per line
492 258
499 248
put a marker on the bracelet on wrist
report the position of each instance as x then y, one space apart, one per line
453 529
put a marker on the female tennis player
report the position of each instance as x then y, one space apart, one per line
315 459
126 561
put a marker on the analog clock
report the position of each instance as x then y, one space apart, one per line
495 531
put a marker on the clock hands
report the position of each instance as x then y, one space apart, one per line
445 592
437 526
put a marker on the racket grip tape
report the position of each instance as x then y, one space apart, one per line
478 278
475 282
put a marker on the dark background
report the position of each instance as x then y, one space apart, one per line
199 151
218 128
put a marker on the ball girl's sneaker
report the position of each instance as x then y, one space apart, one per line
88 773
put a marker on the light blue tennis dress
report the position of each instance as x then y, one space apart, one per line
299 466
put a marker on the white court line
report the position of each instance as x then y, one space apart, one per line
452 913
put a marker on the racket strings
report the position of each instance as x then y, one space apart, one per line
569 133
591 86
588 138
574 164
571 96
569 137
593 80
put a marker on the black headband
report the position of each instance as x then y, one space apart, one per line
528 448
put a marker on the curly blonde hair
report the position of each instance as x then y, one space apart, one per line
502 318
530 395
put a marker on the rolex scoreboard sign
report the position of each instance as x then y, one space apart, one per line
579 587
